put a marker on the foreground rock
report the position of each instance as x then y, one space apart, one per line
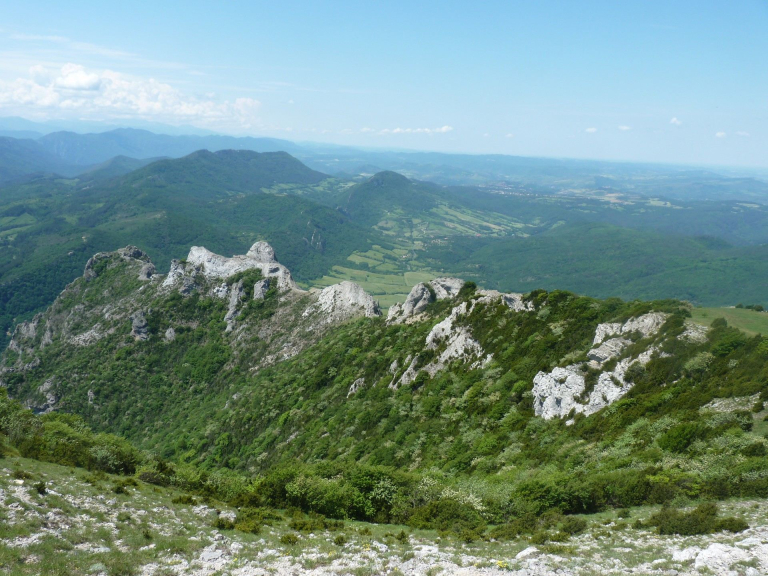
79 524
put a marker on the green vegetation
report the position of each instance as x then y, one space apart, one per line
467 436
604 261
701 520
386 226
748 321
49 229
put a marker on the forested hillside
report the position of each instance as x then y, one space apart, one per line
524 402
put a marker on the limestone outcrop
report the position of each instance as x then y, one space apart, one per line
415 303
564 390
139 325
261 255
341 302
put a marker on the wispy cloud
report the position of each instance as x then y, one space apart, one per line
591 130
719 134
510 135
742 134
625 128
675 121
429 131
62 48
76 91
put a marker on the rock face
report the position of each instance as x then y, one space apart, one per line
236 294
139 326
46 390
564 389
261 256
356 385
608 349
418 299
647 325
340 302
450 340
260 289
446 287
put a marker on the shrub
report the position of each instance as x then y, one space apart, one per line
223 523
340 540
289 539
754 449
573 525
467 290
678 438
41 489
701 520
468 536
252 519
624 513
447 516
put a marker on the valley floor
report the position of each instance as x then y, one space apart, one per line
96 524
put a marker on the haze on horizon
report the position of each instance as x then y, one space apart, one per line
637 81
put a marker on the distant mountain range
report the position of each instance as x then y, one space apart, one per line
70 153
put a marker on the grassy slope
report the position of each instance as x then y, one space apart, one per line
748 321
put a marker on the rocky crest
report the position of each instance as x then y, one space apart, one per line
261 256
449 340
298 320
421 296
343 301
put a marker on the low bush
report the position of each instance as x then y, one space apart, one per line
340 540
252 519
289 539
701 520
447 516
573 525
223 523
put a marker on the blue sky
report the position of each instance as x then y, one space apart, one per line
681 81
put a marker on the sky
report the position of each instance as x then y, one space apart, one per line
678 82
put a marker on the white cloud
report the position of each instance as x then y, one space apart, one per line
430 131
510 135
591 130
365 130
675 121
78 92
719 134
742 134
291 101
74 77
625 128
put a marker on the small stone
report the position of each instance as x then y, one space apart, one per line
527 553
